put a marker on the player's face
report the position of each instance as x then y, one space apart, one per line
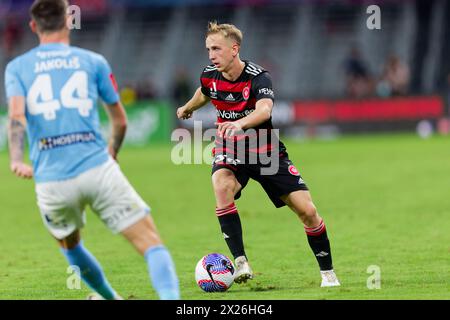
222 51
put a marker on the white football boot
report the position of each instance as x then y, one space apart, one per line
243 270
329 279
96 296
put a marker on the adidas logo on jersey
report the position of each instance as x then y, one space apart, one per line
230 97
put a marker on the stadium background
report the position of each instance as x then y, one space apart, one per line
349 101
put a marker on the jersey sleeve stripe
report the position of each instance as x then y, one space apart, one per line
252 72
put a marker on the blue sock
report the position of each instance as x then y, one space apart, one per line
91 271
162 272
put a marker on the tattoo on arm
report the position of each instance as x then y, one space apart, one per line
16 130
117 138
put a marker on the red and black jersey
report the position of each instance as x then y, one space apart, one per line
234 100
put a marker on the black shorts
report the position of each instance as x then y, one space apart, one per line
286 179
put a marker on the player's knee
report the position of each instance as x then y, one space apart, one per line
145 241
149 240
71 241
224 194
224 186
143 235
307 212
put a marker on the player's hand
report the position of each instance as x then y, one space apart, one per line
22 170
112 152
228 129
183 113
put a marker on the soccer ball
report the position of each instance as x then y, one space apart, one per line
214 273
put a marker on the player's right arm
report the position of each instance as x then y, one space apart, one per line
197 101
16 137
118 119
15 92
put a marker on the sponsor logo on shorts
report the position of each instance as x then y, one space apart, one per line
65 140
122 214
293 170
222 158
55 222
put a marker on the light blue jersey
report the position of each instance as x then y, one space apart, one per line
61 85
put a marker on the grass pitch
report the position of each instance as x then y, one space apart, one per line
385 200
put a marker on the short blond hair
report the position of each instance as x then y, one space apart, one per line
229 31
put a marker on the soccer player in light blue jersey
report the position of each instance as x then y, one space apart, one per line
52 93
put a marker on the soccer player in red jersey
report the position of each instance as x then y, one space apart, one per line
243 96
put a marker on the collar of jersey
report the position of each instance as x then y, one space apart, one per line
238 78
53 45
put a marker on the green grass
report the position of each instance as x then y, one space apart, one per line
385 200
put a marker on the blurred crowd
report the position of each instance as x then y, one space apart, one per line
131 92
396 76
11 34
392 80
144 89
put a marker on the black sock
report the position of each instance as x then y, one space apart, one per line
320 245
230 223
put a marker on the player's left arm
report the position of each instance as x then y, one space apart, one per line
262 90
262 113
16 137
